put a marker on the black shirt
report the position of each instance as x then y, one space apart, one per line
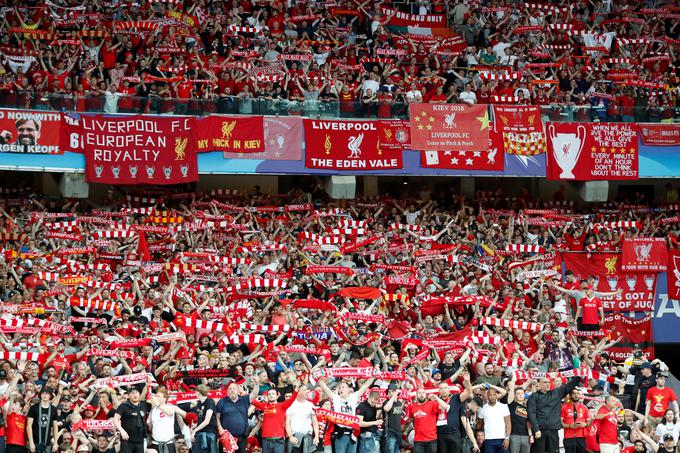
370 414
42 423
394 416
201 411
448 370
518 419
133 419
454 414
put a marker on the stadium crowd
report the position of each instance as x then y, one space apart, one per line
165 321
614 61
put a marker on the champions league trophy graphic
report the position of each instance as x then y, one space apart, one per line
613 282
566 149
649 282
631 281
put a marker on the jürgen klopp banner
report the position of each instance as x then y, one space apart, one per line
136 149
31 132
637 289
644 254
592 151
449 127
347 145
239 134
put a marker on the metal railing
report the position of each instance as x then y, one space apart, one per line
308 108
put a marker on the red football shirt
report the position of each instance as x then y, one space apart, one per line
589 309
660 400
424 420
607 430
274 417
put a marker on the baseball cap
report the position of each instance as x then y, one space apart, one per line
662 374
668 436
646 365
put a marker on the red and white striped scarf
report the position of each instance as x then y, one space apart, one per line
512 324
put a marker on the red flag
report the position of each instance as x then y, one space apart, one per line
229 442
633 331
449 127
241 134
282 140
347 145
521 129
674 275
660 134
142 248
137 149
395 134
491 159
638 290
644 254
592 151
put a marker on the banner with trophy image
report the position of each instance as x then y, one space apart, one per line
644 254
592 151
135 149
637 289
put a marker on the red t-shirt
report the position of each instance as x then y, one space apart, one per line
660 400
274 417
589 309
16 429
424 420
571 416
607 430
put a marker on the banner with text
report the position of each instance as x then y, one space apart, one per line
638 290
632 332
282 140
521 129
394 134
674 274
592 151
490 159
449 127
347 145
239 134
660 134
136 149
644 254
30 132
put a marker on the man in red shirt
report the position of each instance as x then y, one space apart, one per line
575 418
659 398
424 413
589 306
274 420
607 431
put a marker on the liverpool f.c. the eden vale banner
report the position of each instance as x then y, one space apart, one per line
592 151
136 149
27 131
521 129
638 289
347 145
644 254
449 127
240 134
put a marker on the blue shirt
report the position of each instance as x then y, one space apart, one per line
234 415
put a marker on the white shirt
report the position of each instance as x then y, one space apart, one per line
468 97
367 84
163 425
499 49
348 406
301 414
494 420
414 95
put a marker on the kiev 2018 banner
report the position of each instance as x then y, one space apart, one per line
31 132
490 159
638 289
347 145
449 127
136 149
592 151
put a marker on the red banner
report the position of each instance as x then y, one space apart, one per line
282 140
402 19
395 134
137 149
521 129
638 289
491 159
660 134
449 127
347 145
674 275
633 331
644 254
592 151
31 132
240 134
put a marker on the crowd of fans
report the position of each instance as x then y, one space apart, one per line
166 321
614 61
